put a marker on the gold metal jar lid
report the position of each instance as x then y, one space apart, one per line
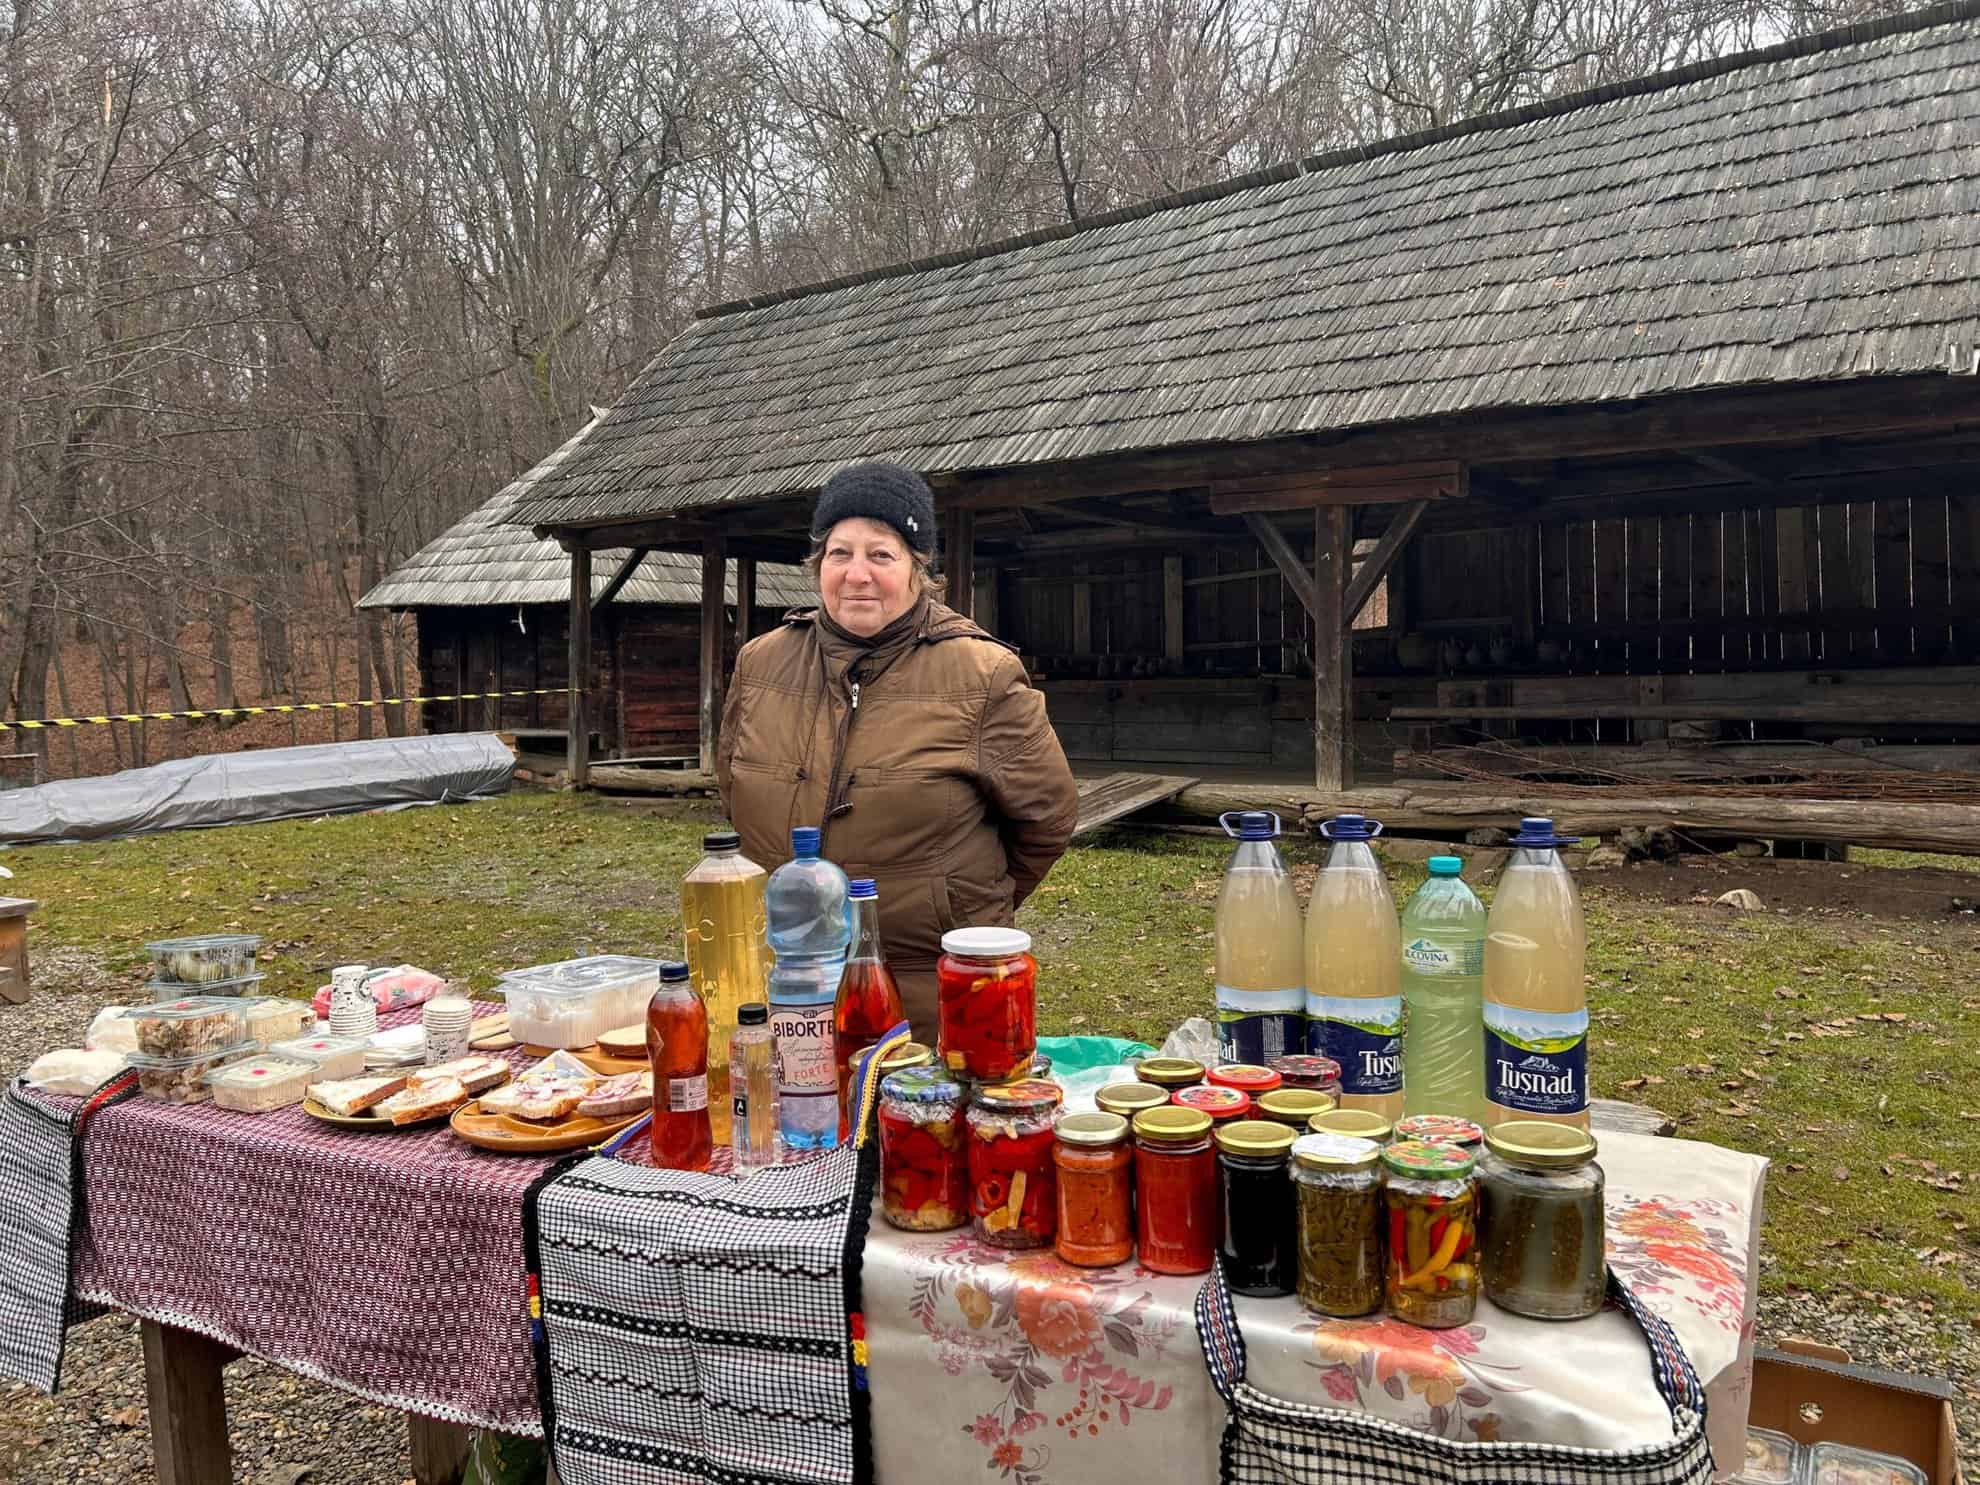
1169 1072
1171 1125
1335 1152
1294 1106
1260 1137
1358 1124
1095 1129
1540 1143
907 1054
1129 1099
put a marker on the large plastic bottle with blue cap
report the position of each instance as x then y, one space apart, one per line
1536 1000
1261 993
1354 1004
807 923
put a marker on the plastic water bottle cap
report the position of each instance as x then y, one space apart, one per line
804 840
1446 866
754 1013
1256 825
672 970
1351 827
862 887
1537 832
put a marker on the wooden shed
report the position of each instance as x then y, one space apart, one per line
491 603
1648 417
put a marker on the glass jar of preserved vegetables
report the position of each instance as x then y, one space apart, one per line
1354 1124
1445 1129
1096 1190
1292 1107
1129 1099
1314 1073
1432 1272
1255 1199
1541 1222
1246 1077
986 986
1169 1072
924 1156
1221 1104
1013 1184
1339 1201
1175 1184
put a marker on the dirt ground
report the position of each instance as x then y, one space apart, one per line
1848 888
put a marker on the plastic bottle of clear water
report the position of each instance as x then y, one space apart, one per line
1443 974
805 912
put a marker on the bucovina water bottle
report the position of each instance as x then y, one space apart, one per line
808 927
1261 992
1443 967
1536 1001
1354 1006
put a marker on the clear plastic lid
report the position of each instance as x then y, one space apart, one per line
1771 1459
200 941
1839 1464
316 1049
260 1069
586 976
186 1008
239 985
986 943
147 1062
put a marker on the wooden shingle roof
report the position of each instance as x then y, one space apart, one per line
482 560
1797 215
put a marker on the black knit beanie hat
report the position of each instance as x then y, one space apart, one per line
889 493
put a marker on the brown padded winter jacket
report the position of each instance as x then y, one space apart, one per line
925 756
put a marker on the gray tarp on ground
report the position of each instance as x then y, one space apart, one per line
273 784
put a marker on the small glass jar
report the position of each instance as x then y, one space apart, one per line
986 986
1013 1184
1340 1213
1096 1190
1541 1222
1354 1124
1444 1129
924 1154
1260 1245
905 1056
1129 1099
1431 1277
1292 1107
1169 1072
1221 1104
1246 1077
1314 1073
1175 1183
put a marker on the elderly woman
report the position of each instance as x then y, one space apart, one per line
907 733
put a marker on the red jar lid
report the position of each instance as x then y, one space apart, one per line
1247 1077
1219 1103
1302 1067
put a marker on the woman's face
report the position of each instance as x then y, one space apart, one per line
866 577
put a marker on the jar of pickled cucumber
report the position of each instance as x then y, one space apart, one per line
1431 1276
1338 1206
1540 1213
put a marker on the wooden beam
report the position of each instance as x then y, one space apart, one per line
578 754
1390 484
714 564
745 599
1082 611
1333 652
1274 544
187 1404
959 559
1369 578
620 578
985 590
1172 608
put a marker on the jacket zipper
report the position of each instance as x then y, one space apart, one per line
833 802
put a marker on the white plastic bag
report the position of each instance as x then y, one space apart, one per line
112 1031
1195 1039
74 1070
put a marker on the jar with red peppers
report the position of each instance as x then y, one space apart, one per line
924 1151
1432 1199
986 986
1175 1189
1013 1183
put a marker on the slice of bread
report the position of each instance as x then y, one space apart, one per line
542 1100
477 1074
628 1093
625 1041
352 1096
426 1100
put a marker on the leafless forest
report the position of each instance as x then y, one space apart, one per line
286 286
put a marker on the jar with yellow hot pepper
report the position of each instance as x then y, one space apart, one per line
1431 1194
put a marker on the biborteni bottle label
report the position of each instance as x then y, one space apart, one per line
1536 1061
807 1064
1364 1035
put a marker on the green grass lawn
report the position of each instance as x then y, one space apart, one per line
1841 1046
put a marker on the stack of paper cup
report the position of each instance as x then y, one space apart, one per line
448 1021
352 1010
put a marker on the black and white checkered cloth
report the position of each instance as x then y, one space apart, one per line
1268 1441
700 1327
41 1195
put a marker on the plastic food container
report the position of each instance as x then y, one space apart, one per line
1838 1464
204 958
271 1019
166 989
330 1057
1771 1459
182 1079
190 1026
257 1084
570 1004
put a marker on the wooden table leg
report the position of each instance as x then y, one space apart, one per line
439 1450
182 1379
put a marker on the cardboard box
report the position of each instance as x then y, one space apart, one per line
1816 1394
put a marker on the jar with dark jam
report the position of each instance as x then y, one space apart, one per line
1540 1197
1260 1245
1432 1197
1339 1218
1292 1107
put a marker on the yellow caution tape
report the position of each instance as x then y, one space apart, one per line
273 709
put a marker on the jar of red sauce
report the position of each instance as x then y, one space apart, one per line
1175 1181
1013 1183
1221 1104
1096 1190
924 1150
1314 1073
986 986
1246 1077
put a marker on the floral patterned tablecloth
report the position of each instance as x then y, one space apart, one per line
1054 1374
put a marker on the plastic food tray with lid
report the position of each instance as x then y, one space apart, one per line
242 986
570 1004
274 1018
181 1078
257 1084
191 1025
331 1057
204 958
1839 1464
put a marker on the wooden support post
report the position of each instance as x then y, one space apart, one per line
1333 652
1082 611
188 1405
1401 526
714 562
959 544
1526 580
578 757
1172 608
745 599
439 1450
985 593
1273 543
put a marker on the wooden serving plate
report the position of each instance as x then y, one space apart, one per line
513 1136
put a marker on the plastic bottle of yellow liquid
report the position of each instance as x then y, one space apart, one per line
1261 994
1536 1001
728 956
1354 1003
1443 947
